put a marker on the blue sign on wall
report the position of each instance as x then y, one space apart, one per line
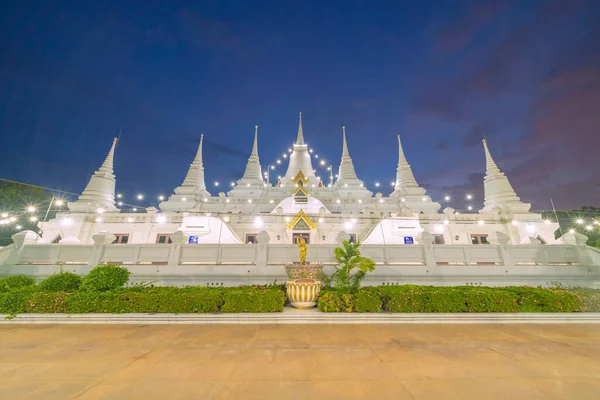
193 240
408 240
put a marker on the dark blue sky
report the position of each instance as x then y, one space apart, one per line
73 74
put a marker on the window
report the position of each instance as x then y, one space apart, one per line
163 239
479 239
251 238
121 238
438 239
352 238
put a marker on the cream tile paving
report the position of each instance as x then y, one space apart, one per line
300 361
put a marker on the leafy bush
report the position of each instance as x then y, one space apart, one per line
253 299
589 299
545 300
404 299
330 301
13 302
430 299
15 282
485 299
351 269
105 277
61 282
367 300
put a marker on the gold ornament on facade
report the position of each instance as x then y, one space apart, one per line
301 216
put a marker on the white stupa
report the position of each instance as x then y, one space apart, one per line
407 190
347 182
300 161
252 183
100 190
499 193
191 193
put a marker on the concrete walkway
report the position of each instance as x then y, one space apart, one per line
397 362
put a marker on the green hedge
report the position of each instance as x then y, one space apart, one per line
460 299
19 294
145 300
61 282
13 282
253 299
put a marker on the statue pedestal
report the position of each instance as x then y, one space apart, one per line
296 270
303 292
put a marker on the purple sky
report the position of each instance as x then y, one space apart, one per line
526 74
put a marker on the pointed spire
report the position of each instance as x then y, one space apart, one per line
255 146
107 165
498 192
253 173
404 175
344 143
300 139
198 158
300 160
100 190
490 165
401 156
347 174
195 176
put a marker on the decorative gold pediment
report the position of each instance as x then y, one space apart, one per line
301 216
300 191
300 178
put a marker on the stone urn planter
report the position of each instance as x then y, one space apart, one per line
303 292
296 270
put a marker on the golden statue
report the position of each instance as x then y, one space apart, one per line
302 246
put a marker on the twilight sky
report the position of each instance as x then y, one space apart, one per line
525 73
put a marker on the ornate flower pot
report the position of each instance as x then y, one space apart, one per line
303 293
295 270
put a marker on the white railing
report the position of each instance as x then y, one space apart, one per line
276 254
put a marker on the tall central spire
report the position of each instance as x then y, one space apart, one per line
300 139
300 160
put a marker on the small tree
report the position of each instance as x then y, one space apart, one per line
351 268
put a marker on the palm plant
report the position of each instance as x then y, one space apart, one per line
351 268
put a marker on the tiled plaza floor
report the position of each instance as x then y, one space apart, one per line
300 362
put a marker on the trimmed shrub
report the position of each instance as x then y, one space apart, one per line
490 300
13 302
589 299
61 282
545 300
254 299
431 299
330 301
443 299
12 282
367 300
105 277
403 299
153 300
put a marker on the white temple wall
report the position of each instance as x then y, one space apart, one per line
232 265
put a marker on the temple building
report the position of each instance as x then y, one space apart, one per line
299 205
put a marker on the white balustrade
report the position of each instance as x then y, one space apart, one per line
277 254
